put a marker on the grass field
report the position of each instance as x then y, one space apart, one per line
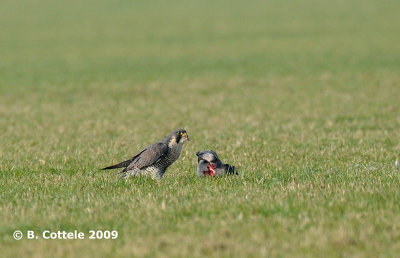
302 96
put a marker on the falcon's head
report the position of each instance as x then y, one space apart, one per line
179 136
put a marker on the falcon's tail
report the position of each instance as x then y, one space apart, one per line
123 164
230 170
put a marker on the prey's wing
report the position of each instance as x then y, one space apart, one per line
208 155
202 166
149 156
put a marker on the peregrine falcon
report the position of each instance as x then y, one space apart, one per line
155 159
210 164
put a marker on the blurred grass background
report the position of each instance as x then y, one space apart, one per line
303 96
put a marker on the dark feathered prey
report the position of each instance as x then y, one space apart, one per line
210 164
155 159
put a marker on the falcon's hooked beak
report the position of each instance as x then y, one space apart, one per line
185 136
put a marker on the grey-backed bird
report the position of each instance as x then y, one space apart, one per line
155 159
210 164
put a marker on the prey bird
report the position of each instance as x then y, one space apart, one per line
155 159
209 164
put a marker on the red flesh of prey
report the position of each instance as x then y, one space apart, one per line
211 170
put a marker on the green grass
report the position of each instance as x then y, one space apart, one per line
302 96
